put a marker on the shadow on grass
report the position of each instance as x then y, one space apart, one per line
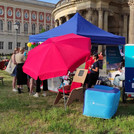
126 109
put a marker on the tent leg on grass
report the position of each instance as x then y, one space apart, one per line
64 97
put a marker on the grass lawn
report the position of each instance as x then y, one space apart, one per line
23 114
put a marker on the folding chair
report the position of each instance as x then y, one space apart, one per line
75 90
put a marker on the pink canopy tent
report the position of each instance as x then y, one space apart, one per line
56 56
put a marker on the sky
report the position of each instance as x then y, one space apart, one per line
50 1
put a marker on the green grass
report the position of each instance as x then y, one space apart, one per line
23 114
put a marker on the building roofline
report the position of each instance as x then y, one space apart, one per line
36 2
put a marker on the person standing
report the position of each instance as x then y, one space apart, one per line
100 60
30 84
88 65
21 76
93 76
38 90
15 70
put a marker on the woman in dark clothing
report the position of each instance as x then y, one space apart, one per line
21 76
93 76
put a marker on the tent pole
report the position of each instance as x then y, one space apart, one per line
64 96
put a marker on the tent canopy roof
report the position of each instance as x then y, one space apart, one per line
78 25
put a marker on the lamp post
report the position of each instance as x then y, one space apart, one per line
16 27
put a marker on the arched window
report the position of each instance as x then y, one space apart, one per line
1 25
9 26
26 28
40 27
33 29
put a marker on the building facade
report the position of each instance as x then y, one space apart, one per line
21 18
110 15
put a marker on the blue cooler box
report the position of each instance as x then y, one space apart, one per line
101 101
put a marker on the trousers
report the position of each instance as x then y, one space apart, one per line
45 85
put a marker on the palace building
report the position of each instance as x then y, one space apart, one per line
21 18
109 15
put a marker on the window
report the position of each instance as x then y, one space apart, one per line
25 28
41 17
1 11
18 14
1 25
9 26
9 12
33 29
47 27
40 28
18 44
26 15
18 30
48 18
26 47
1 45
33 16
10 45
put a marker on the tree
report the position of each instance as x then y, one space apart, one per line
43 30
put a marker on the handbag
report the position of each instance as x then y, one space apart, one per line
10 67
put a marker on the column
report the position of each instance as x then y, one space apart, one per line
106 20
5 26
125 24
37 23
30 24
14 15
56 23
67 17
5 22
105 25
89 14
60 21
95 17
22 22
15 35
51 27
104 46
121 25
100 20
100 25
131 22
22 28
